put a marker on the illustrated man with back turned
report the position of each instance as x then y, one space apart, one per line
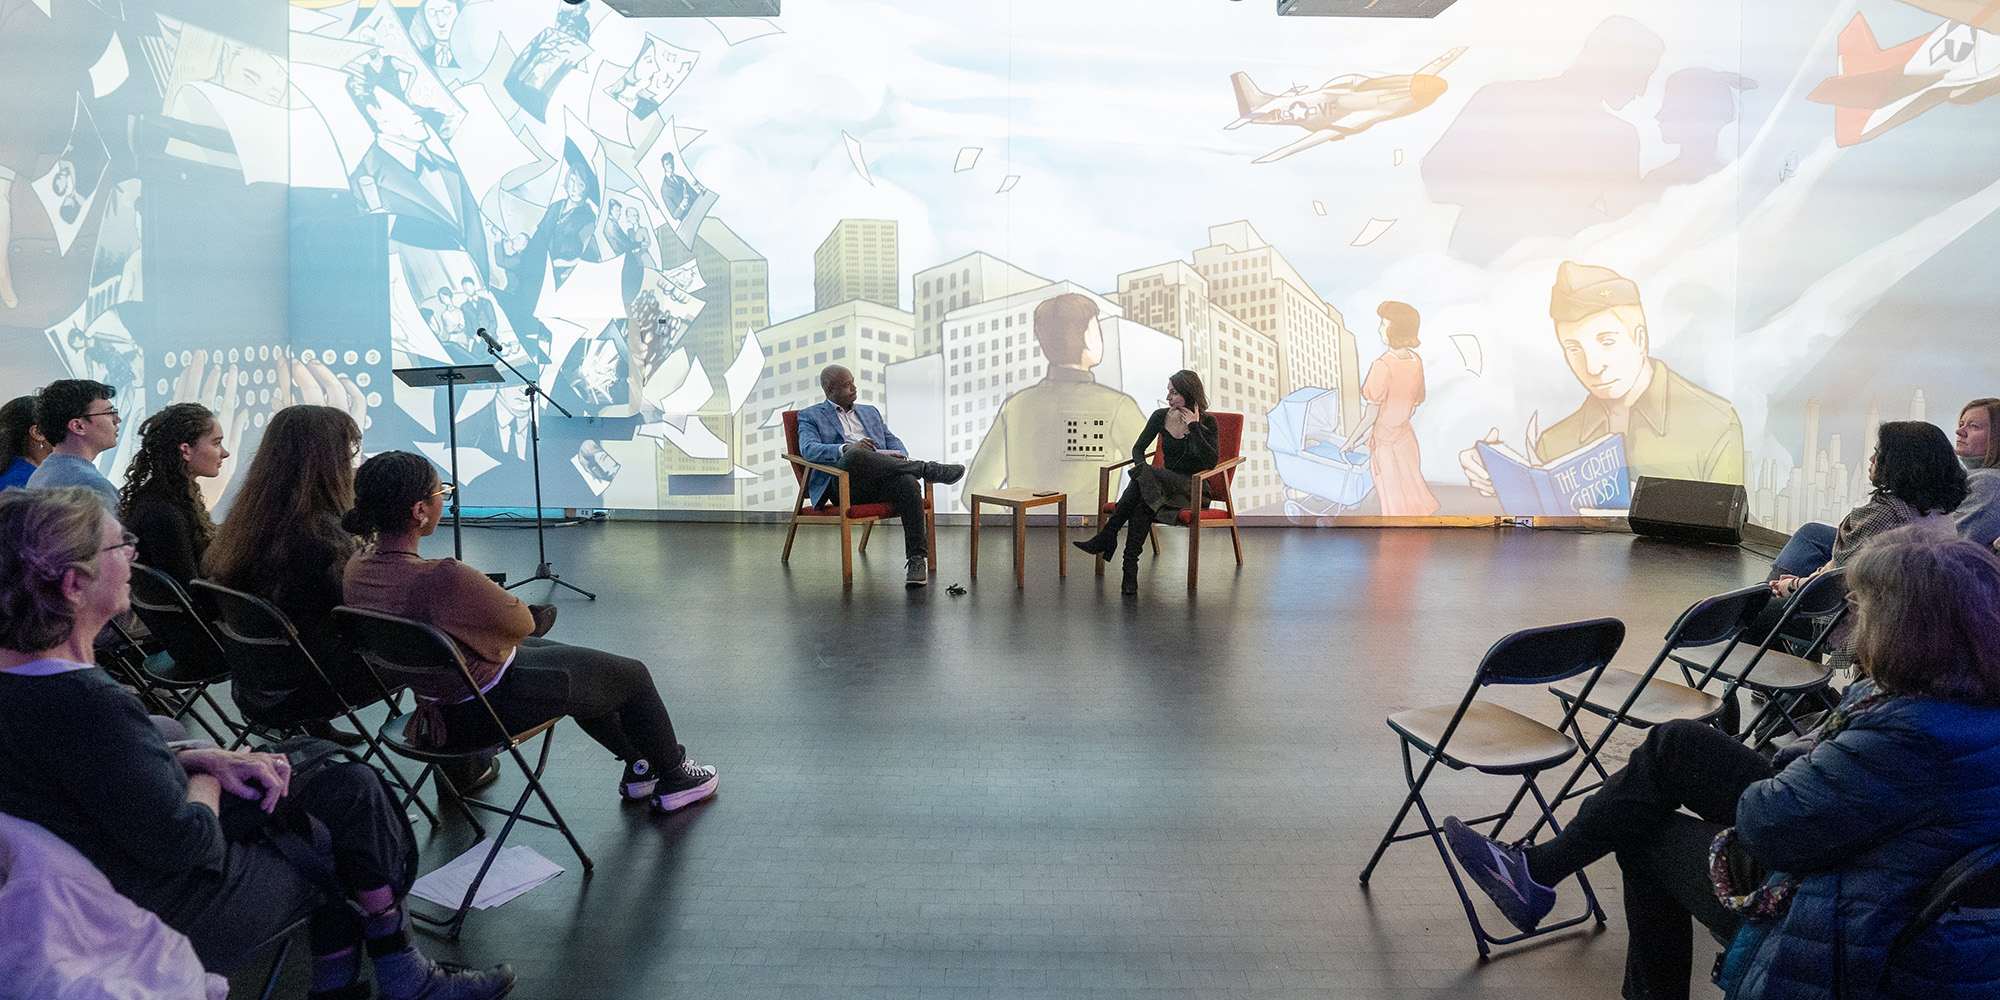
1026 446
880 470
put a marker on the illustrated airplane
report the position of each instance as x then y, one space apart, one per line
1342 106
1878 89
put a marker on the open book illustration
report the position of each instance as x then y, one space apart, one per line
1589 480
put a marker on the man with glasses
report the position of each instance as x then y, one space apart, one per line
77 418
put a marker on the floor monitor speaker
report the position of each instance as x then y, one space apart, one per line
1688 510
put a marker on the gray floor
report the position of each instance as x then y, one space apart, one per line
1056 792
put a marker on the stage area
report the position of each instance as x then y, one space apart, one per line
1056 792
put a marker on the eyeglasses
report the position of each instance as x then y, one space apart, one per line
130 541
101 413
443 490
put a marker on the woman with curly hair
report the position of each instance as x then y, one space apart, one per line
161 502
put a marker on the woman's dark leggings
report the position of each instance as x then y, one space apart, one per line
611 697
1662 852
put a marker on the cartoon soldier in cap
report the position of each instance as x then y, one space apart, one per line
1672 427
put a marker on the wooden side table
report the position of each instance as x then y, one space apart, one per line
1021 498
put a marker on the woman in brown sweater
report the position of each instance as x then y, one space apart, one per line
528 679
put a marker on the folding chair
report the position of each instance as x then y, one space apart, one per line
1783 679
1643 700
259 642
414 653
191 660
836 507
1970 883
1490 739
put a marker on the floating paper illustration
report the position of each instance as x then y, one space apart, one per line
1469 352
967 156
1319 208
1372 231
742 375
1396 157
854 154
737 30
1008 184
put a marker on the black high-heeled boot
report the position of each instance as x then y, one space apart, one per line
1135 542
1105 541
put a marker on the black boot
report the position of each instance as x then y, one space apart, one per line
1136 532
1101 544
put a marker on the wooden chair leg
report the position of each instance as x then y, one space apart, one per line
930 528
846 551
1153 535
1101 518
1236 540
866 530
1194 548
786 559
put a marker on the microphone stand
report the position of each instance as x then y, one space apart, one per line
533 390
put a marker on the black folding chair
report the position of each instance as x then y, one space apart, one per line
190 660
1770 669
417 655
1643 700
261 645
1970 883
1491 739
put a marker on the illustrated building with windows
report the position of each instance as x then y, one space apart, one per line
858 260
1253 282
970 280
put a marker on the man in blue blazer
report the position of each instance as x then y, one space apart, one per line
879 468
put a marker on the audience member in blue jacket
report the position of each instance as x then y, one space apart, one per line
879 468
22 446
1900 781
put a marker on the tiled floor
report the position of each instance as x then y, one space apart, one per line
1051 793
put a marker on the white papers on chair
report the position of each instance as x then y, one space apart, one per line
515 870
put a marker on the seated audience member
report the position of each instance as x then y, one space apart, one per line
1978 517
161 503
528 679
283 542
22 446
78 421
187 832
1978 447
1155 494
880 470
1917 480
1899 782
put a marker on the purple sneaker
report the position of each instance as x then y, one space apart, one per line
1502 873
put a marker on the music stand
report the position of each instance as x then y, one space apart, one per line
451 377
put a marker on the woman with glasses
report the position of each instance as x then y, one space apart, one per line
283 542
528 679
161 501
1187 434
190 832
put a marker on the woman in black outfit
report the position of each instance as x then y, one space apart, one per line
161 502
1155 493
283 542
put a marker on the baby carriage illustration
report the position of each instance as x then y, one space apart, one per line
1320 480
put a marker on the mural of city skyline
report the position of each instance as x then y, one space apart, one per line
1501 261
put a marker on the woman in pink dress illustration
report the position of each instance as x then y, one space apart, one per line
1392 391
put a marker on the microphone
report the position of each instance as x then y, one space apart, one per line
491 344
